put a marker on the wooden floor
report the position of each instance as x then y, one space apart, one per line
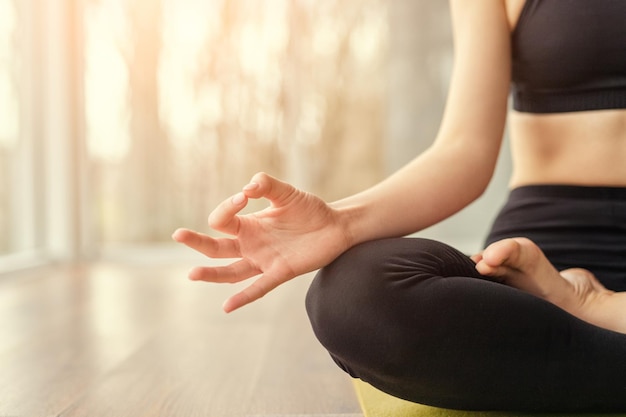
117 339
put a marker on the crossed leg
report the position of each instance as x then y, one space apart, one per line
520 263
415 319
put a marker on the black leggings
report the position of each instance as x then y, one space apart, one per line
413 318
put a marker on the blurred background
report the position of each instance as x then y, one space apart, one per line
121 120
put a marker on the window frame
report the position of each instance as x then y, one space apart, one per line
49 165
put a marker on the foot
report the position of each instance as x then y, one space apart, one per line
520 263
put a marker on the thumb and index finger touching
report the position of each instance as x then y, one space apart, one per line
263 185
224 217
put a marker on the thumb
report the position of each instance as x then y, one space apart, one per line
477 257
262 185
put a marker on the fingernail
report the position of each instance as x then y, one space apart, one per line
238 198
251 186
176 233
192 274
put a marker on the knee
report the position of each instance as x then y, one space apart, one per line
374 306
373 292
338 296
379 276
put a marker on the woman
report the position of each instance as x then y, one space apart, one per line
504 329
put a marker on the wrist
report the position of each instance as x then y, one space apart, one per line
350 219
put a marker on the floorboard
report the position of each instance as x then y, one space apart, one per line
115 339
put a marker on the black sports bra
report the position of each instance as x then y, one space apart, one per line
569 55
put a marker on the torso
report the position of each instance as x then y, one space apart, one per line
584 148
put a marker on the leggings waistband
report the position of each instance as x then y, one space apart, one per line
569 192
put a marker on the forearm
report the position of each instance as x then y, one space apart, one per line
458 167
432 187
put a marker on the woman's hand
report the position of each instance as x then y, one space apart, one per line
298 233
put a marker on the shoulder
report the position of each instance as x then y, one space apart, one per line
509 10
476 12
482 34
479 88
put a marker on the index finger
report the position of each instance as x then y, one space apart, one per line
224 217
262 185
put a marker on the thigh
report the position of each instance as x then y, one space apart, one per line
413 318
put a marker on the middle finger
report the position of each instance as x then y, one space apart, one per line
235 272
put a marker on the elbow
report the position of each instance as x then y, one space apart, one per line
481 178
474 169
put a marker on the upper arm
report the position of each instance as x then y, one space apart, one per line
476 107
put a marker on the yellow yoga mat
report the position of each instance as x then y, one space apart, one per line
376 403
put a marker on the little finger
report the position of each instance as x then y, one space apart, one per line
256 290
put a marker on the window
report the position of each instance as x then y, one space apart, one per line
121 120
186 99
38 139
18 160
124 119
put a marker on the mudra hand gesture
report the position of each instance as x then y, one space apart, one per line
297 233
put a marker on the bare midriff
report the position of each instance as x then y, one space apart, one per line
579 148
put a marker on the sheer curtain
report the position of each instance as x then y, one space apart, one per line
154 111
186 99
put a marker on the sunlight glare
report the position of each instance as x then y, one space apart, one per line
106 84
187 27
262 39
367 38
326 38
